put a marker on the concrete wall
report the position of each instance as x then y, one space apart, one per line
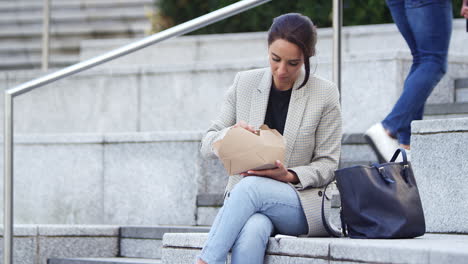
439 157
124 179
188 97
124 100
229 47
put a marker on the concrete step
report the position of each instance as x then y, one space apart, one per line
102 28
431 248
210 199
103 261
213 48
104 172
71 22
443 111
146 241
19 62
70 5
208 205
439 156
34 244
20 42
461 90
139 98
78 16
355 151
18 47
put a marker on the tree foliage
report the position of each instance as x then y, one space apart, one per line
355 12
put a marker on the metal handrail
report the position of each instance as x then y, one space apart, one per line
337 25
178 30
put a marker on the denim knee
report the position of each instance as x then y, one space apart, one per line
438 71
439 61
252 241
257 230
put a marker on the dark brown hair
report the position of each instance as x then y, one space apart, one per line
297 29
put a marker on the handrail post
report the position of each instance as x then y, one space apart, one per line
8 181
337 26
45 35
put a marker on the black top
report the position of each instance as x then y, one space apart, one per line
277 109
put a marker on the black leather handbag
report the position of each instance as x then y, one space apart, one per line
380 201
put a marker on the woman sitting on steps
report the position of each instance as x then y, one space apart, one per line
305 109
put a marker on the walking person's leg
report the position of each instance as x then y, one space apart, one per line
382 136
431 25
426 28
234 225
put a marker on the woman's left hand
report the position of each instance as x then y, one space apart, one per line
280 173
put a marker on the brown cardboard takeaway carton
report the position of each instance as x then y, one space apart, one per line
241 150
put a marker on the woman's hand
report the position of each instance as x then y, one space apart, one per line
244 125
464 9
280 173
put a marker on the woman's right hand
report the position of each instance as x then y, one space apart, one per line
244 125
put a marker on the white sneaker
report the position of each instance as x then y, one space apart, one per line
383 145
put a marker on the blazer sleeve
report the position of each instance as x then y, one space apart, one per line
326 155
225 120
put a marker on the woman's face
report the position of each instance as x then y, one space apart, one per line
286 60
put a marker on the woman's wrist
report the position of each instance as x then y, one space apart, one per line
293 177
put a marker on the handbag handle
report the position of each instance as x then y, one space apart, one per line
403 152
331 230
405 163
381 169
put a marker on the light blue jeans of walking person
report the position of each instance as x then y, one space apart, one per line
426 26
256 208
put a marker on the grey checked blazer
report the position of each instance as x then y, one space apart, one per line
312 132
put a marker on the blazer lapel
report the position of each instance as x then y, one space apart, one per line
259 100
296 109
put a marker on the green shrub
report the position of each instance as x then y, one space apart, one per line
355 12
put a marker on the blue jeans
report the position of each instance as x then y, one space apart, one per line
256 208
426 26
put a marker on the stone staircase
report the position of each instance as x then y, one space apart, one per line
71 22
432 248
116 260
119 128
55 244
125 168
